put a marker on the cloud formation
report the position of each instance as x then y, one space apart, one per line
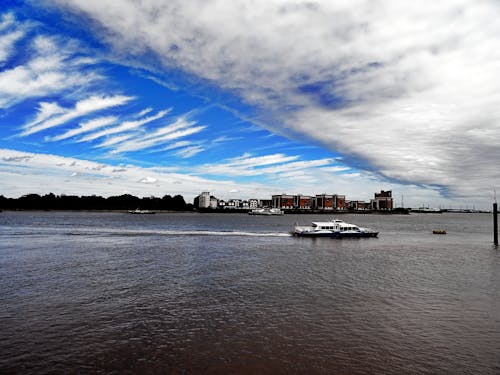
51 115
53 67
406 90
275 165
25 172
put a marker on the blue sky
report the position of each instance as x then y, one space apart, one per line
250 98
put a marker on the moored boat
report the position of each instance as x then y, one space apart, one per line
266 212
427 210
334 229
137 211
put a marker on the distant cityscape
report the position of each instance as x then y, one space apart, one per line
205 202
381 201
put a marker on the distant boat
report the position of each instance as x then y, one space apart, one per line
334 229
137 211
427 210
266 212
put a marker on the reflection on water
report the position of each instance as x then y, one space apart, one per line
188 293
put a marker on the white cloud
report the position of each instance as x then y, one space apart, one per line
334 169
6 21
46 110
272 165
148 180
249 161
189 152
51 115
23 172
53 68
175 145
86 126
7 42
133 141
409 89
125 126
144 112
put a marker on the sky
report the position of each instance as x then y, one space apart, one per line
250 98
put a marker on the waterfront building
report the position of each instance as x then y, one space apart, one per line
253 203
213 202
324 202
204 200
340 202
302 202
359 205
283 201
237 204
382 201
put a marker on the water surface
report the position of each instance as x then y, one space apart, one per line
187 293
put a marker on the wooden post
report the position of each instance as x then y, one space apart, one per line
495 224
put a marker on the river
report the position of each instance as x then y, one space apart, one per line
188 293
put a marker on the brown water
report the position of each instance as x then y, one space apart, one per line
234 294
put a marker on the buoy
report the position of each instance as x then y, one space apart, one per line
439 231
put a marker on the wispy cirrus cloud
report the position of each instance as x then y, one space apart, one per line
52 115
125 126
144 112
271 165
249 161
85 127
133 142
188 152
173 146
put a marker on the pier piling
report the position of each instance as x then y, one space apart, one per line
495 224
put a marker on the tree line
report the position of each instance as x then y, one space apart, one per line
93 202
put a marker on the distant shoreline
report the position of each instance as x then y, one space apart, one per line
242 212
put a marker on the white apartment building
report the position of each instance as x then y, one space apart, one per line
204 200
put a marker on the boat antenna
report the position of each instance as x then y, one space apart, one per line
494 195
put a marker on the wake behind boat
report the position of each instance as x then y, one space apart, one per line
333 228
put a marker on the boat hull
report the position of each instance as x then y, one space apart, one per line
336 234
333 229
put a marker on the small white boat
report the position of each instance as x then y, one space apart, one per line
266 211
427 210
333 228
141 212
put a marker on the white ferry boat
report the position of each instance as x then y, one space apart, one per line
266 211
333 228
